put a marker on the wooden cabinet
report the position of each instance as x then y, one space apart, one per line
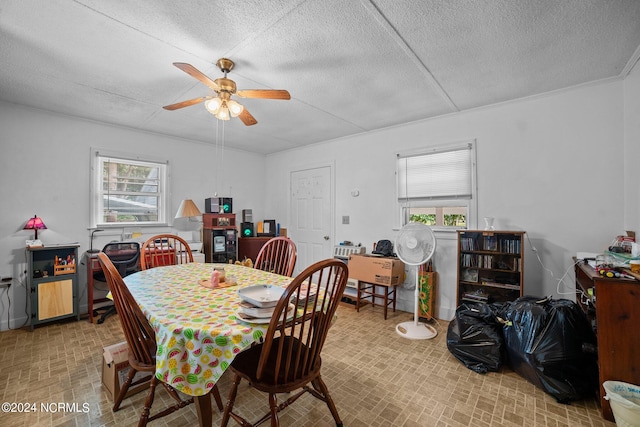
220 237
617 319
52 276
490 265
248 247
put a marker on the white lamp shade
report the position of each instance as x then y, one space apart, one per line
223 113
187 209
213 105
234 108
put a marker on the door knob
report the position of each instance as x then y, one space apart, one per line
326 237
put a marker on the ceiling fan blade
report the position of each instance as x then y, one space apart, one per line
195 73
247 118
264 94
187 103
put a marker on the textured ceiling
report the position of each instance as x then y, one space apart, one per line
350 66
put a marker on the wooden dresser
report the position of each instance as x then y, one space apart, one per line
617 321
248 247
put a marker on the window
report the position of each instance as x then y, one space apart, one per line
437 187
127 190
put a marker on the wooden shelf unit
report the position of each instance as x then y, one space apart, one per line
613 306
490 265
53 283
220 237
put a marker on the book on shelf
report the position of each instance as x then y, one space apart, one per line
476 296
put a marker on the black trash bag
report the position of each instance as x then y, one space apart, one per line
551 344
475 338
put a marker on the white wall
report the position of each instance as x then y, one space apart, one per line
632 151
549 165
44 170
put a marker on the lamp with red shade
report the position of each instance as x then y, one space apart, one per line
36 224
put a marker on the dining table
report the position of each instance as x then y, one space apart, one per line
198 329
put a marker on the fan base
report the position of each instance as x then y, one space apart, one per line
414 331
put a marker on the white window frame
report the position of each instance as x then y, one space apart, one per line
98 156
470 202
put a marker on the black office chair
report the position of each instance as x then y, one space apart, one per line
125 256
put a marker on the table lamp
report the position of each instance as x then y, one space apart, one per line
187 209
36 224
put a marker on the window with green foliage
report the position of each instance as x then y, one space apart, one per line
128 191
437 186
450 216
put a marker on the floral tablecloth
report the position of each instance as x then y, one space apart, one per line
197 331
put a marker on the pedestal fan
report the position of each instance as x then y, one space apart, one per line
415 245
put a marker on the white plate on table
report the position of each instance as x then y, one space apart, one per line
253 311
261 295
261 320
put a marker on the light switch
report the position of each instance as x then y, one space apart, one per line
345 219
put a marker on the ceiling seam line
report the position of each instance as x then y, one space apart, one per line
255 34
377 13
137 29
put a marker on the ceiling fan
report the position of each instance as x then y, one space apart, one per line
221 105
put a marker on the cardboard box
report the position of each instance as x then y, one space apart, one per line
115 368
376 269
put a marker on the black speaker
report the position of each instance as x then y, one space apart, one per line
226 205
246 229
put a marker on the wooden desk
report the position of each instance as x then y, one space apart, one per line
617 320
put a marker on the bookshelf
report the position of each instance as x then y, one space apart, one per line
490 265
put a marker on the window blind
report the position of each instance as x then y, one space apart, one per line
439 174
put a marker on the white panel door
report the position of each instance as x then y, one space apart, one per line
311 213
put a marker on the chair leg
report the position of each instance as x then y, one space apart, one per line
144 417
232 399
273 405
216 395
319 385
124 389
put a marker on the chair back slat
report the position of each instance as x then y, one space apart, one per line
278 256
296 342
137 330
165 249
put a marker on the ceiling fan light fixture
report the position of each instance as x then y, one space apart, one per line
223 112
213 105
220 104
235 108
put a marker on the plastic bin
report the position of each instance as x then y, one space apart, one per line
624 399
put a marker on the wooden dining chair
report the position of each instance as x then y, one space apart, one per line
278 256
164 249
288 359
141 341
